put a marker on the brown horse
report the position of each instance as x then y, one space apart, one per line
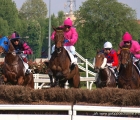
13 68
129 77
60 63
105 77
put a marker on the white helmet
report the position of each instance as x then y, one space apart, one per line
107 45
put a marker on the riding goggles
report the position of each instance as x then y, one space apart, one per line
67 26
125 42
107 48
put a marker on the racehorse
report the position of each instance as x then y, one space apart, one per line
105 77
129 77
13 68
60 63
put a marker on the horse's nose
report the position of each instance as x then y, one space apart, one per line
58 50
96 69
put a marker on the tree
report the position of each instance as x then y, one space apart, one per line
99 21
60 17
34 33
33 9
9 12
4 28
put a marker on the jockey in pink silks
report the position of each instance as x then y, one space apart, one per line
71 37
134 49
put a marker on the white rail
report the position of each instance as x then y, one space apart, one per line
34 117
43 80
38 107
86 69
72 112
77 108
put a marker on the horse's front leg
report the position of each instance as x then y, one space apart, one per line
4 78
66 73
11 76
20 80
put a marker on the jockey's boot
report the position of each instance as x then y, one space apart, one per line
116 74
72 66
75 58
28 71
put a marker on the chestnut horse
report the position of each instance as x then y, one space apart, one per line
13 68
105 77
60 63
129 77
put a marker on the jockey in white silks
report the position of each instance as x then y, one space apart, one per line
71 37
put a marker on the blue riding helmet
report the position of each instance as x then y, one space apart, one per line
4 43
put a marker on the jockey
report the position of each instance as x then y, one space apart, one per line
134 47
22 49
112 58
71 37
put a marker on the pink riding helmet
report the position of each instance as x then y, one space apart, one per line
68 22
127 37
15 35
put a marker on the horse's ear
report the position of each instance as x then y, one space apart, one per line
97 51
9 37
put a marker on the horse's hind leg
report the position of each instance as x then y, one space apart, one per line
29 81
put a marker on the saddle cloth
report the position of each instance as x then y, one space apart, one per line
26 66
71 56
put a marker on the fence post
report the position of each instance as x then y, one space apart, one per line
87 73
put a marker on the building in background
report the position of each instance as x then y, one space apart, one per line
70 7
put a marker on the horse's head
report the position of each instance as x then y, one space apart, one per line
125 56
59 39
99 61
4 44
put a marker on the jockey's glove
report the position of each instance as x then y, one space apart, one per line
66 41
19 51
109 64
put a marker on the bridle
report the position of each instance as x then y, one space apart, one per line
59 39
128 61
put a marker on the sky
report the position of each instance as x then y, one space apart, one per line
58 5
